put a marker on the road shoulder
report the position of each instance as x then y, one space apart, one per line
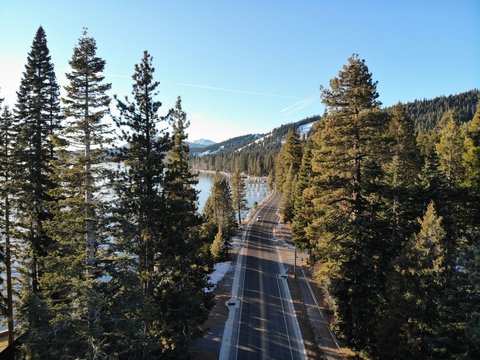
313 315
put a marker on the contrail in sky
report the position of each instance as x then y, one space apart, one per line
298 105
215 88
234 90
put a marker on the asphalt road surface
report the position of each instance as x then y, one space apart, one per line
263 324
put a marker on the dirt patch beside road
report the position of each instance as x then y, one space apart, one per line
313 352
208 347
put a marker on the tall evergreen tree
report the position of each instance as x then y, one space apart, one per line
73 302
3 265
347 235
458 309
449 149
287 205
401 172
430 180
471 154
290 155
271 180
239 200
415 290
219 217
473 321
3 298
37 112
141 180
471 183
140 224
302 198
185 305
7 192
179 191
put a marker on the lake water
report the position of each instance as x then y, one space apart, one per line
256 189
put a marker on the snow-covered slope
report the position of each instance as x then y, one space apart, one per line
305 129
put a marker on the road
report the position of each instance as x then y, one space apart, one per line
261 323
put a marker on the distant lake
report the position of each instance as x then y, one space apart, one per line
256 189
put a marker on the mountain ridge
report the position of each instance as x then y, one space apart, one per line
255 153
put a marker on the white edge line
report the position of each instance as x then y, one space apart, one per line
228 329
296 326
242 269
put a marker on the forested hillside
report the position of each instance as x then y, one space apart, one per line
427 113
227 145
255 154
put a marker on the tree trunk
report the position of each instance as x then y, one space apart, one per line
8 261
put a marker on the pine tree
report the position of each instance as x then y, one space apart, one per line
430 180
415 289
287 205
271 180
140 214
302 198
401 172
473 320
471 183
3 261
180 194
3 250
471 154
458 309
140 182
239 200
7 193
290 155
216 247
347 234
73 300
184 304
219 216
449 149
37 113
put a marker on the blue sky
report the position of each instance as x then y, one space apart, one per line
249 66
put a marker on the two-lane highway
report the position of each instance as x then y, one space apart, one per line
262 323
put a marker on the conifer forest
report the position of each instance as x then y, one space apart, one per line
104 253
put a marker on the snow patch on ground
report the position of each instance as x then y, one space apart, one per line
261 138
210 152
219 271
